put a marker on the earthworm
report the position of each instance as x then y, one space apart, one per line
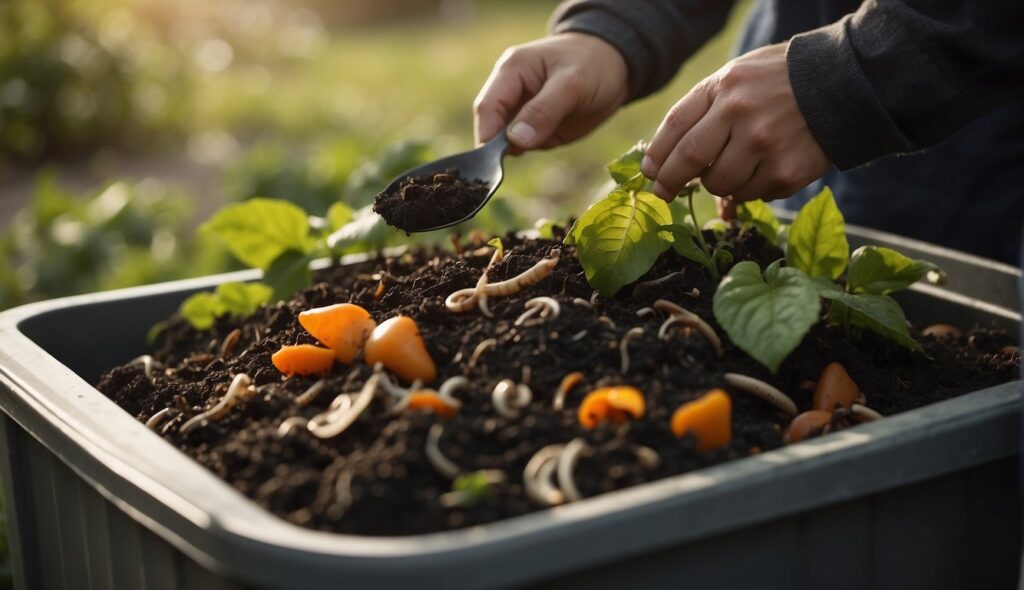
395 390
230 341
503 400
156 419
693 320
537 476
568 383
547 307
240 388
672 320
453 384
581 302
483 347
594 296
865 413
607 321
336 420
442 464
531 276
768 393
311 393
291 423
645 311
567 461
465 299
661 280
579 335
632 334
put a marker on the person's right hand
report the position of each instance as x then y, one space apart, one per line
551 91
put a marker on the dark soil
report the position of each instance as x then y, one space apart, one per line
426 202
380 462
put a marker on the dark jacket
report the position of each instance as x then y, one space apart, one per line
928 93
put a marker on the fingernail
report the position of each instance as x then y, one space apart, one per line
647 167
661 192
522 133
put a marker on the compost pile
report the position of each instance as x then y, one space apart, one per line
378 476
426 202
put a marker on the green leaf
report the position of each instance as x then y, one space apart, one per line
202 310
338 215
545 228
259 230
625 170
289 274
243 299
759 215
878 270
878 313
684 241
817 239
497 245
366 232
617 238
767 316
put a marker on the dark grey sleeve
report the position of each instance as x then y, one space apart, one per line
900 75
654 36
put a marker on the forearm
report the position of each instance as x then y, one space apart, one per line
654 36
900 75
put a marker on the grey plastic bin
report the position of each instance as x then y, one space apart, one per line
929 498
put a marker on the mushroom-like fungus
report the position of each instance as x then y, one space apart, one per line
806 424
835 388
693 320
611 404
568 382
763 390
942 331
398 345
240 388
341 414
708 418
537 476
442 464
343 328
509 398
303 359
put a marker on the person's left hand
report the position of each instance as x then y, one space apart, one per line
741 131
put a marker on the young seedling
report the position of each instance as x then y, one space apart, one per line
765 391
628 337
469 489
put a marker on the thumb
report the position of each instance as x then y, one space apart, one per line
541 116
726 208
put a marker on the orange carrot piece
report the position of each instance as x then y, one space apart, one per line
708 418
612 404
428 400
806 424
397 344
303 359
343 328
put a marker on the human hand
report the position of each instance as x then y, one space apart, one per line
551 91
741 131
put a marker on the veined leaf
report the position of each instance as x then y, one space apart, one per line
684 241
202 310
259 230
237 299
625 170
759 215
878 313
817 241
766 315
617 238
878 270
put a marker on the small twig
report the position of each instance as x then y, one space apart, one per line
442 464
568 383
763 390
631 335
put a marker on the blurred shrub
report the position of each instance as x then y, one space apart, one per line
68 83
124 235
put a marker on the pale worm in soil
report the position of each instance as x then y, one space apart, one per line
508 398
865 413
483 347
631 335
538 474
453 384
240 388
291 423
765 391
693 320
156 419
645 311
568 383
464 299
547 307
230 342
335 421
581 302
567 461
442 464
311 393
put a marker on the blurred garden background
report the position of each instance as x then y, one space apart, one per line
125 123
